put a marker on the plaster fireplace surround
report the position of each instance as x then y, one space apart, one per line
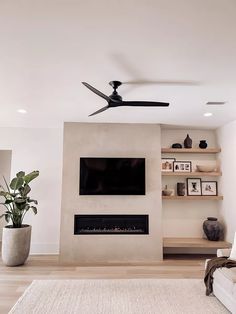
104 248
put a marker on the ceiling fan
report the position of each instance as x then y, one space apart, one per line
115 100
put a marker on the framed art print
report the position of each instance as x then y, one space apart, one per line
209 188
167 164
194 186
182 166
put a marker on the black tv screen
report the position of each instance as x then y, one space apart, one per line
112 176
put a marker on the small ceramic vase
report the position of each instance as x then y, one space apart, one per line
188 142
180 189
203 144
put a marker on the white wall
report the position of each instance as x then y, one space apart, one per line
39 149
227 142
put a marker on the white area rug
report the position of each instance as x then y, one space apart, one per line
117 296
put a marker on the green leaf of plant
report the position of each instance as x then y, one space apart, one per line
20 203
5 205
20 174
8 201
13 194
16 183
24 190
34 209
32 201
27 189
21 190
6 195
7 217
31 176
20 200
3 193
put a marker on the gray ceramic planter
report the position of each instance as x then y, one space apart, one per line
15 245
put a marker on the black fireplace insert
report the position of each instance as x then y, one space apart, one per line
111 224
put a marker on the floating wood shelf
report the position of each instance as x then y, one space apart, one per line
194 243
191 150
194 198
193 174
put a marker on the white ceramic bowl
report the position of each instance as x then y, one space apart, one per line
205 168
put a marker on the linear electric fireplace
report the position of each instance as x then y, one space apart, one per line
111 224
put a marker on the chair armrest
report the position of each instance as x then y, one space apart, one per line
206 261
223 252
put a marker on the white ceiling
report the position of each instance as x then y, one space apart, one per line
49 46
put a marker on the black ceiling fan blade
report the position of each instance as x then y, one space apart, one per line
144 103
98 111
96 91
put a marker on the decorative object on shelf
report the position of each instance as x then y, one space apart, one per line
213 229
203 144
182 166
180 189
194 186
188 142
166 191
176 145
167 164
205 168
209 188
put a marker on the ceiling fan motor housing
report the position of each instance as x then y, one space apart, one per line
115 96
115 84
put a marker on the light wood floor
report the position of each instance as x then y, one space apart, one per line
14 280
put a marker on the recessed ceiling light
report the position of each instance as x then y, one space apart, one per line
207 114
22 111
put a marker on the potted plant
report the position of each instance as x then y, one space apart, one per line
16 236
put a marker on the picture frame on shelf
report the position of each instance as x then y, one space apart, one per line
209 188
182 166
167 164
194 187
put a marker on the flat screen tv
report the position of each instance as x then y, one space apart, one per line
112 176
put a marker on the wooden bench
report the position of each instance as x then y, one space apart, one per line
194 243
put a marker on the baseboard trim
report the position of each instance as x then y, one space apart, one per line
44 249
38 254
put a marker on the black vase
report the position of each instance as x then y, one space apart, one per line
180 189
188 142
203 144
213 229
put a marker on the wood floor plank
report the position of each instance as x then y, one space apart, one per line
14 280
